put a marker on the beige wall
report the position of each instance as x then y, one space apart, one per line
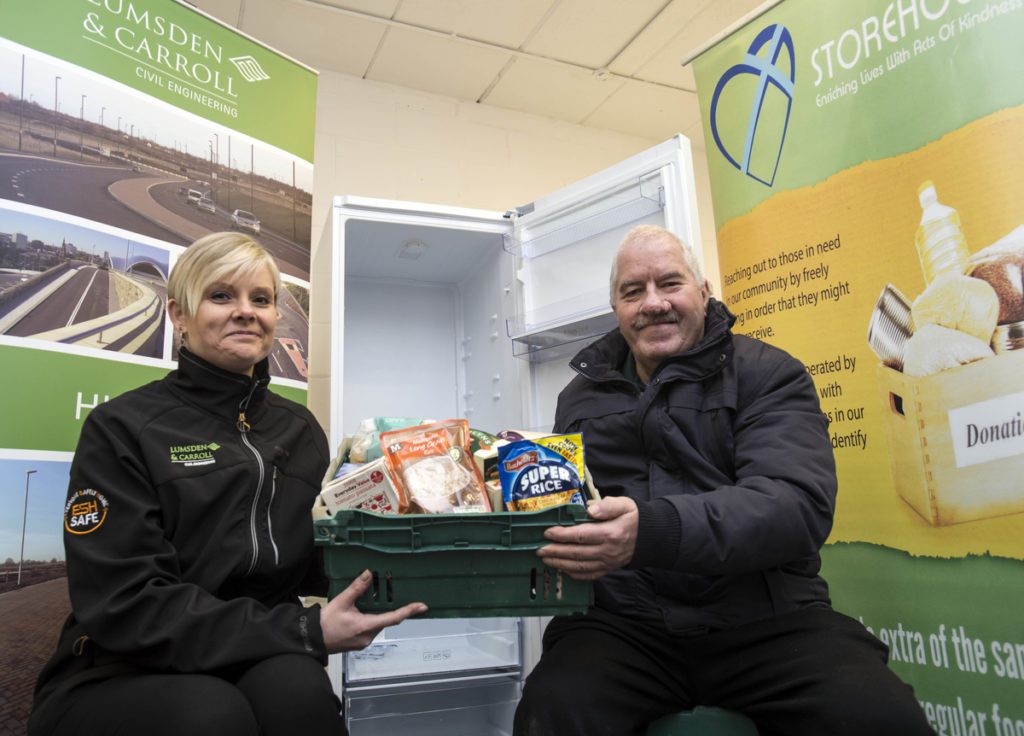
378 140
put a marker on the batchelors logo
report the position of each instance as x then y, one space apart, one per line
85 511
765 129
520 461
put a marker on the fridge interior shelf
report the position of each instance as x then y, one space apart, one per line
644 197
460 565
418 647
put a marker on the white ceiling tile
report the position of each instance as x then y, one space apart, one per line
379 8
315 35
666 65
502 22
435 64
223 10
553 90
653 39
592 32
646 39
647 110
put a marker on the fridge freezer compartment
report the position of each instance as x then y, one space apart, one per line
457 708
418 647
460 565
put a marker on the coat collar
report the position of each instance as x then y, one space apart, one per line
218 391
603 359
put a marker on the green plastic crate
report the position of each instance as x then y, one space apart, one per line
460 565
703 721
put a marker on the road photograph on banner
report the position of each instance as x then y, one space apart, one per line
127 132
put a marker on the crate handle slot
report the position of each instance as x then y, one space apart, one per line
558 585
390 589
375 589
547 583
533 583
896 403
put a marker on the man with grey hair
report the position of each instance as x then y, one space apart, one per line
719 484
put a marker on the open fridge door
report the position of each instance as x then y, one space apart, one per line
564 244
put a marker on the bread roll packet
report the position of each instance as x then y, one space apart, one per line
435 469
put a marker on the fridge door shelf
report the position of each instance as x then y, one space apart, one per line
482 707
560 329
636 200
418 647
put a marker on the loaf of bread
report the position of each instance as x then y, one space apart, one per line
958 302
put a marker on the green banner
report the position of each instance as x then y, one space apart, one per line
169 51
953 630
129 129
55 391
865 161
868 80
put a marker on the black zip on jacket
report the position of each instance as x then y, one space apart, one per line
727 455
188 530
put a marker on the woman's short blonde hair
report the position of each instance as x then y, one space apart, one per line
212 258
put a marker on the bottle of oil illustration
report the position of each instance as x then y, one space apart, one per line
941 245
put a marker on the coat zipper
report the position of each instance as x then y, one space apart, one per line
243 427
270 528
253 536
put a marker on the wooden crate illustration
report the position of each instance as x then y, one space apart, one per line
956 438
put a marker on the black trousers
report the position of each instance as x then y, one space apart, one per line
281 696
812 672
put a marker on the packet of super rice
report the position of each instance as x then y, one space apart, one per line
542 472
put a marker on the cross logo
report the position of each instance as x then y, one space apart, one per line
772 121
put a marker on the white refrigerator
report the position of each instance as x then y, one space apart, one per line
445 312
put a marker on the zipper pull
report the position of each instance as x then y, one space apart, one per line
241 425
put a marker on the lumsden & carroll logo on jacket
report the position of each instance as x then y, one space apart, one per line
190 455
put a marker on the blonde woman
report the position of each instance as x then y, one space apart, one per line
189 539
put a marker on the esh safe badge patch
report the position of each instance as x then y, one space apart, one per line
85 511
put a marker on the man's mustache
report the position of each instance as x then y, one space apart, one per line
668 318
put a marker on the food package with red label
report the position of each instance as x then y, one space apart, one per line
372 487
434 468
